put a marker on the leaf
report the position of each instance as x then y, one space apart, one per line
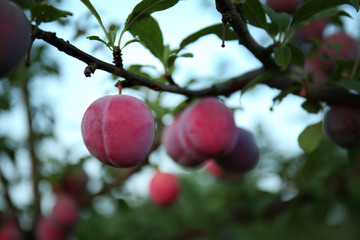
349 84
47 13
255 14
130 41
147 30
310 8
280 19
146 7
96 38
311 107
282 56
88 4
297 55
310 138
259 79
214 29
355 4
112 34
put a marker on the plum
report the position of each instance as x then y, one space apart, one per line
244 156
315 68
118 130
288 6
314 29
207 128
349 48
164 189
65 211
10 230
342 125
213 168
14 36
171 142
47 229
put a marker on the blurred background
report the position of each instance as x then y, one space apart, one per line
289 193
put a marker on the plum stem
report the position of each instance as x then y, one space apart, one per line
119 86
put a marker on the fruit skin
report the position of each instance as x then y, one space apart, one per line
14 36
46 229
171 142
342 125
207 128
118 130
74 182
164 189
315 68
65 211
288 6
10 230
313 29
349 47
213 168
244 156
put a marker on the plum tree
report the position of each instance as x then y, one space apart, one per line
14 36
244 156
164 189
342 125
118 130
288 6
47 229
65 211
207 128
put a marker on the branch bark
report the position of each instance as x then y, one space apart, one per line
32 153
325 93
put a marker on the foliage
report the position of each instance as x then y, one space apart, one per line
317 195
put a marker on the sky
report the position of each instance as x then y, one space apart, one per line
71 93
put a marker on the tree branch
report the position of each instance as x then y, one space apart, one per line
231 15
32 153
325 93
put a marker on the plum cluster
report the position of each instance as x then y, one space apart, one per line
118 130
65 212
14 36
206 130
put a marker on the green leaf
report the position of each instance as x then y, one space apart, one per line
47 13
96 38
147 30
349 84
255 14
280 19
282 56
310 138
214 29
355 4
146 7
130 41
297 55
311 107
310 8
259 79
112 34
88 4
